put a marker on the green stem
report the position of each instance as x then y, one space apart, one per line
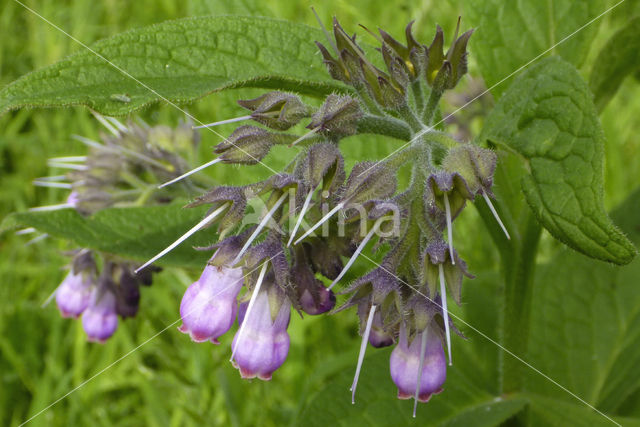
368 102
432 105
409 116
517 309
384 125
418 97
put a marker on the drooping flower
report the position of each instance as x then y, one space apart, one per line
405 363
100 319
73 294
209 306
262 342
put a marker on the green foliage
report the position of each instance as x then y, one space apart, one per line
572 337
375 406
548 117
512 33
178 61
136 233
617 59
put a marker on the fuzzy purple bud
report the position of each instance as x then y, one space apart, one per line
73 295
405 362
209 306
264 343
324 301
100 319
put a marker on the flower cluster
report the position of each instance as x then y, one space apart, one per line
317 218
123 169
316 215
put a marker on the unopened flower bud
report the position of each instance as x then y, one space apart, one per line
277 110
337 117
246 145
208 307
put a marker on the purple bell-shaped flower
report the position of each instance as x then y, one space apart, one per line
73 294
100 319
405 364
209 306
262 344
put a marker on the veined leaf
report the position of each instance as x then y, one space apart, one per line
460 404
181 61
616 60
585 325
137 233
512 33
549 118
547 411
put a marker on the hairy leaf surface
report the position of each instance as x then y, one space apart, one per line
548 117
179 61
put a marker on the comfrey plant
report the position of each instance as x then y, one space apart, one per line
324 235
281 260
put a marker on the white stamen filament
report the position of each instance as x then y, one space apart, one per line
51 207
36 239
50 297
223 122
259 228
68 159
319 223
303 211
25 231
263 270
423 350
445 312
51 178
87 141
363 348
105 123
191 172
118 124
67 166
495 214
355 255
185 236
447 209
52 184
305 136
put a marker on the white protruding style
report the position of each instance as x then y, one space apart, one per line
256 290
191 172
445 312
363 348
223 122
71 166
495 214
52 184
447 209
303 211
105 123
51 207
185 236
305 136
423 350
322 221
355 255
259 228
67 159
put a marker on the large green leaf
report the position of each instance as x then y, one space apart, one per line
585 325
616 60
548 117
512 33
135 233
181 61
546 411
461 403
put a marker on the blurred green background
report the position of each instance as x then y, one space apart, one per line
169 380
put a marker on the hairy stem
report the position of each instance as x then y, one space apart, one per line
384 125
